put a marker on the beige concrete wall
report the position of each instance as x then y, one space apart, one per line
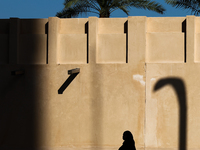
136 73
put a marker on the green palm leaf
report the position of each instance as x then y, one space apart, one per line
193 5
105 7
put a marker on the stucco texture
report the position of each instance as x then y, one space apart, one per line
136 73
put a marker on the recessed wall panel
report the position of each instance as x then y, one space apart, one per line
4 48
111 48
165 24
112 25
32 49
165 48
73 26
72 48
33 26
197 48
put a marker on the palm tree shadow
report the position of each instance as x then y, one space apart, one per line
179 87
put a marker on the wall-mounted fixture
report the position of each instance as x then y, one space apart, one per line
73 73
17 72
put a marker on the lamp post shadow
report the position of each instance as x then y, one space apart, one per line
179 87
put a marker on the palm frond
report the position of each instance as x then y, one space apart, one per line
75 7
193 5
148 4
117 4
74 10
105 7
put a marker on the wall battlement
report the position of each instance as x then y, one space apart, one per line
99 40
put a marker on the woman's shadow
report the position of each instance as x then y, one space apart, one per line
129 143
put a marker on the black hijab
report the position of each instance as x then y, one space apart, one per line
129 143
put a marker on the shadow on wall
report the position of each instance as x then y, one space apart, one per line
67 83
179 87
20 112
87 46
126 32
184 31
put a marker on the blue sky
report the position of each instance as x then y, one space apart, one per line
48 8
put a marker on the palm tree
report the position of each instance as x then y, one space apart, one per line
105 7
193 5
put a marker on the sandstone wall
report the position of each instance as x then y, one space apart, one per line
136 73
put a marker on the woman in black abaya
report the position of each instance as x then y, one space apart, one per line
129 143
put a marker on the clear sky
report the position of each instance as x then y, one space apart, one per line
48 8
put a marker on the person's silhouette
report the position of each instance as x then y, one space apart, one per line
129 143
